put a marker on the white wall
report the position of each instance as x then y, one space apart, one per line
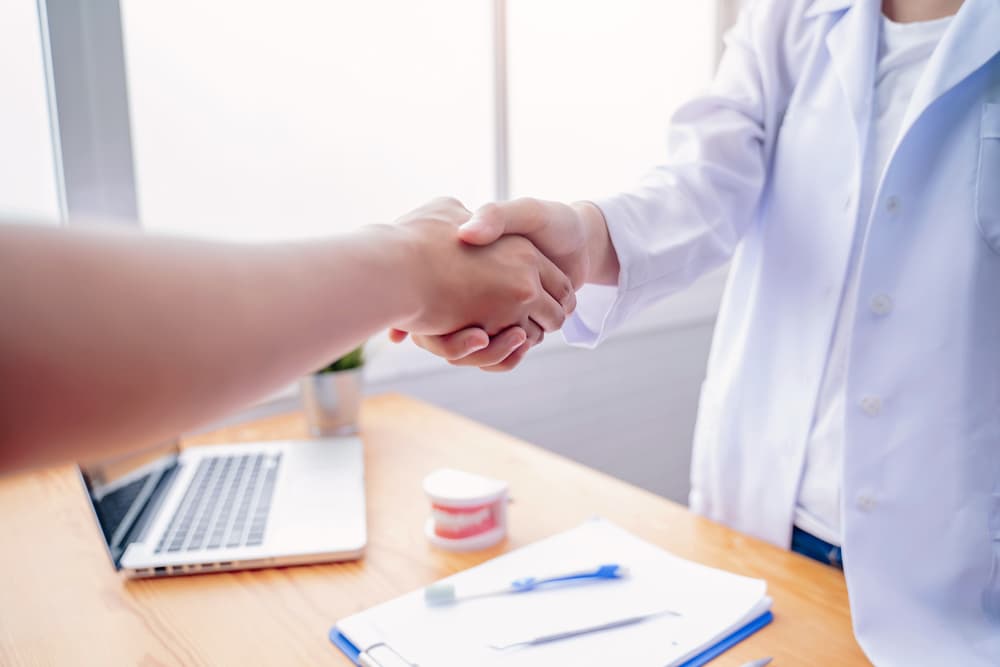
627 408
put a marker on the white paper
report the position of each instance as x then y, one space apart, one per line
713 604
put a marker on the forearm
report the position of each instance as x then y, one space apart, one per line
602 257
110 339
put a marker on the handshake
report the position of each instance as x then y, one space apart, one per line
484 288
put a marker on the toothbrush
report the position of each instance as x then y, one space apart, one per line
445 593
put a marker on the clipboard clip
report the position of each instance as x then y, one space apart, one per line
383 655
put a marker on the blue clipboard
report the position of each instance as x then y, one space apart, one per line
345 645
352 652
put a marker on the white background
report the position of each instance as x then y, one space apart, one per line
260 120
27 173
592 87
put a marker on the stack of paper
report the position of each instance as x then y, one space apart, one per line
716 609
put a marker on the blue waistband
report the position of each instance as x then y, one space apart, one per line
809 545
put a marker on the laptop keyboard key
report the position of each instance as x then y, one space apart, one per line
226 504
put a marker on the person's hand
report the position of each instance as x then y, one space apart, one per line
574 237
558 230
492 288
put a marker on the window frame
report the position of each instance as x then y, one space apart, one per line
88 110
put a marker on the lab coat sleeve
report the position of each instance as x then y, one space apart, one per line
687 215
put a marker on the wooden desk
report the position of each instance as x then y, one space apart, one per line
61 602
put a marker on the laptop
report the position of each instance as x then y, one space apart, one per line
167 511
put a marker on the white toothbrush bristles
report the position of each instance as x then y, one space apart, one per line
440 593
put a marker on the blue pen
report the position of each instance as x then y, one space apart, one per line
446 593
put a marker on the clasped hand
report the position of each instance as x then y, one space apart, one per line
495 281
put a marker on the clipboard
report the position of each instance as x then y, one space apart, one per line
352 652
405 633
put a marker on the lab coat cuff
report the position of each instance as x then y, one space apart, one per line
601 309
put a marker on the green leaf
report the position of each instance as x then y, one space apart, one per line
353 359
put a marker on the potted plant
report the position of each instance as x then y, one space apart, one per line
331 396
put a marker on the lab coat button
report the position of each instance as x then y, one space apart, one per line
865 502
881 304
892 204
872 405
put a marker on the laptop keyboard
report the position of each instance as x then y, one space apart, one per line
226 504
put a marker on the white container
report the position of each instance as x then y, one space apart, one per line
468 512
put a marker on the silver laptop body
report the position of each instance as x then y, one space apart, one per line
229 507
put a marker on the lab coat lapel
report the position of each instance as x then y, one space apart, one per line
968 44
853 46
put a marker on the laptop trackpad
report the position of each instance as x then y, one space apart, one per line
319 502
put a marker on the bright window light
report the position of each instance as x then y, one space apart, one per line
265 120
257 121
592 87
27 173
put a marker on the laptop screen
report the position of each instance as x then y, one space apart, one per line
124 491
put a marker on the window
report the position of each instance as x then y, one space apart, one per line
254 120
592 87
27 170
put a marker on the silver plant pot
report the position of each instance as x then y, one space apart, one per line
332 401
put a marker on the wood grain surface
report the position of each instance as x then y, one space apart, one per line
62 603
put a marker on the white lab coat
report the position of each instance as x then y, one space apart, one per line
765 170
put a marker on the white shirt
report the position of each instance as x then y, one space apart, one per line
765 171
904 49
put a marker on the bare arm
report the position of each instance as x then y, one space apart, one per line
112 339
